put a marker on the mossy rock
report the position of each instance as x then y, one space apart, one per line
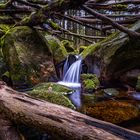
82 48
113 111
111 91
115 55
27 56
57 48
53 87
89 82
100 95
68 46
53 95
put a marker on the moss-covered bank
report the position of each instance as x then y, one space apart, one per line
53 93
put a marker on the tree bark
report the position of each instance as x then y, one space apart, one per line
57 120
7 130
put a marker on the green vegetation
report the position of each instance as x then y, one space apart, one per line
119 6
53 93
53 87
89 81
57 48
68 46
89 50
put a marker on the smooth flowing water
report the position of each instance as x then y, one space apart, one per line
72 79
72 74
66 67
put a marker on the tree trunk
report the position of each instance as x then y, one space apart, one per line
7 130
57 120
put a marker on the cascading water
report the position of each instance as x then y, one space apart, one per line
71 79
66 67
72 75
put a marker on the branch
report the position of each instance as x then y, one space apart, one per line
14 11
120 2
57 5
29 4
6 5
41 2
99 22
111 22
70 18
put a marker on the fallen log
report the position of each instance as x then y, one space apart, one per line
57 120
7 130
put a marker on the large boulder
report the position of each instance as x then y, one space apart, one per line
68 46
27 56
57 48
114 57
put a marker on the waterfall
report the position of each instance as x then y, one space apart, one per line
72 74
71 78
66 67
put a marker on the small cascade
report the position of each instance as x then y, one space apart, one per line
66 67
71 79
72 74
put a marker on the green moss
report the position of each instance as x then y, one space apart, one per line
119 6
53 93
6 74
89 82
93 47
90 49
57 49
4 27
92 77
68 45
53 97
25 20
2 6
82 48
27 55
53 25
53 87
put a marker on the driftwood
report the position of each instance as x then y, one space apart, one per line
57 120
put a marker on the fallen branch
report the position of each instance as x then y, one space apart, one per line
111 22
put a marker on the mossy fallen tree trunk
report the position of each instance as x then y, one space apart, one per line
57 120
